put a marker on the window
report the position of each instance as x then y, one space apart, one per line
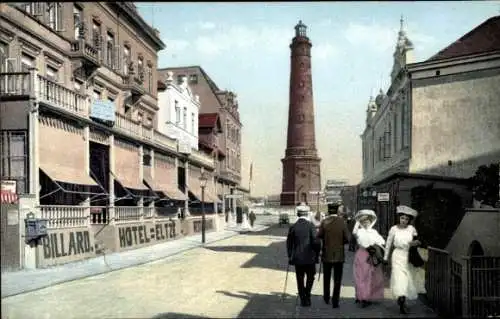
111 99
55 15
192 124
77 21
110 45
193 79
184 118
177 112
96 95
140 68
387 139
96 34
27 62
146 159
395 121
52 73
149 121
126 59
139 117
180 78
14 160
150 78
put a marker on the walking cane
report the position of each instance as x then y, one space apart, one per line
286 280
319 273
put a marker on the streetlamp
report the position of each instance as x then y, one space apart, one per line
203 184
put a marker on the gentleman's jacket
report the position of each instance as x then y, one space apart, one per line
302 244
334 233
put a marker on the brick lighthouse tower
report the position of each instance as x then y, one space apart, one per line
301 165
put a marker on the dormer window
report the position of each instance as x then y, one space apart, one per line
193 79
180 79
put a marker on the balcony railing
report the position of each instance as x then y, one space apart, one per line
128 125
16 84
149 212
128 213
55 94
82 49
60 216
164 140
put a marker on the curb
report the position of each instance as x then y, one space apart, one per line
103 263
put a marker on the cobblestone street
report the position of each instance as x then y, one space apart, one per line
242 276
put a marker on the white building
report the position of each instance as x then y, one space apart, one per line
178 113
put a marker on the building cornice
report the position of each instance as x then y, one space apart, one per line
444 63
139 22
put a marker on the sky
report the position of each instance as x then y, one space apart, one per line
244 47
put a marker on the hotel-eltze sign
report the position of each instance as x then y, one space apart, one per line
132 235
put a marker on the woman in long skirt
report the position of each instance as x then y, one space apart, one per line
368 278
401 237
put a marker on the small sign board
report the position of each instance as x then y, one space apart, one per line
234 196
383 197
10 186
103 110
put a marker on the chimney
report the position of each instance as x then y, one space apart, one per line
170 77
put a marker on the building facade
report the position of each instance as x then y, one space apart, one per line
79 124
178 110
216 106
438 121
301 180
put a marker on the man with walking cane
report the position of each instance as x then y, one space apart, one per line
303 248
334 234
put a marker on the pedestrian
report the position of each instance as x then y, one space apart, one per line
402 236
334 234
367 269
303 250
252 218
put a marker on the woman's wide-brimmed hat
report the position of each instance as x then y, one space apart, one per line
402 209
365 213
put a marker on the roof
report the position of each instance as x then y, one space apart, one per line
209 120
482 39
161 85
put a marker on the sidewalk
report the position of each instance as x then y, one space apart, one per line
23 281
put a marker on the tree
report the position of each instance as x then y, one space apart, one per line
485 185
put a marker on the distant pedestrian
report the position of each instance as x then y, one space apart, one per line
368 273
333 231
402 237
318 217
303 250
252 218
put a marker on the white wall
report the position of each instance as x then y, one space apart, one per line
184 129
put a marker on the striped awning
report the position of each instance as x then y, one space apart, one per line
8 197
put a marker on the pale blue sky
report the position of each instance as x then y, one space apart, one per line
244 48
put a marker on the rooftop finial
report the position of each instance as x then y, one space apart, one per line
300 29
401 22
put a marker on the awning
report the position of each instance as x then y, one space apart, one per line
212 198
195 192
8 197
65 174
171 191
126 182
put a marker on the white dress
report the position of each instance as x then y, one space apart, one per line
402 272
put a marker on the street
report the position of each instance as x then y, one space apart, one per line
242 276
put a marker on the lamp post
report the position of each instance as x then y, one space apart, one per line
203 184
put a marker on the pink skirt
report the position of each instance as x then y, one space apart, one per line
368 280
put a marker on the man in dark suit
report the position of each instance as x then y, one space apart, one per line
334 234
303 252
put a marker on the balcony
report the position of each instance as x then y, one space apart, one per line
134 85
16 84
202 158
58 96
229 175
87 58
60 216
